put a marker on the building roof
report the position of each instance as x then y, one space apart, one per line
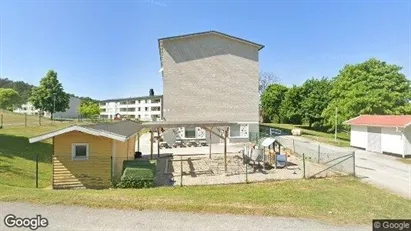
131 98
381 120
213 32
259 46
120 131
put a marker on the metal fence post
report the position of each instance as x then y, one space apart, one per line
111 169
37 170
303 165
353 162
246 173
319 153
293 146
181 171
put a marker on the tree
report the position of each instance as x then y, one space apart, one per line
290 108
89 109
24 89
49 95
315 98
271 100
265 80
371 87
8 98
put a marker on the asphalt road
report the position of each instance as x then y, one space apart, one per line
380 170
83 218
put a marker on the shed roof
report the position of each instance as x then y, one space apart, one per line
120 131
381 120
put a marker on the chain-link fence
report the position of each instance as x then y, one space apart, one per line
323 160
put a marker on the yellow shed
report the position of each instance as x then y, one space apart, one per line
90 156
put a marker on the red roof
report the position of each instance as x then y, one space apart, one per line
381 120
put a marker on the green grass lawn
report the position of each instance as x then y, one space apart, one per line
343 138
16 119
17 155
334 200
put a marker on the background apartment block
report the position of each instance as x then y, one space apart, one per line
70 113
145 108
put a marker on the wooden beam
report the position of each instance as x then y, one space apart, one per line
225 149
209 155
158 142
138 141
151 143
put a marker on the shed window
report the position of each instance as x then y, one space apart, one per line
79 151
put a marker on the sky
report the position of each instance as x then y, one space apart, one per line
109 49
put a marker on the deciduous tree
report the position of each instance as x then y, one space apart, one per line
49 95
8 98
315 98
371 87
290 108
89 109
271 101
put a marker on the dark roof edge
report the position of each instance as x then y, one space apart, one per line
260 46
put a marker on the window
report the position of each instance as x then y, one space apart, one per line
139 116
156 101
132 102
123 102
79 151
123 109
146 109
190 133
132 116
132 109
139 109
102 110
235 130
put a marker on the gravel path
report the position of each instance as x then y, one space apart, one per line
83 218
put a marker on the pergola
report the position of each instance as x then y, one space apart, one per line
206 125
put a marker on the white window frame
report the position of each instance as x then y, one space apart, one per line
73 151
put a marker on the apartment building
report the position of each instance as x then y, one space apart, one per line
70 113
144 108
211 76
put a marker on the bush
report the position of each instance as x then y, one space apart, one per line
132 182
137 174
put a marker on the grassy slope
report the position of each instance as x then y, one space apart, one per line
338 200
17 156
16 119
343 138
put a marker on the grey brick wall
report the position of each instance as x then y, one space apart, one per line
210 77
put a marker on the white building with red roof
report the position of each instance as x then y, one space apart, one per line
389 134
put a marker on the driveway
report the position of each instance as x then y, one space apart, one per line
380 170
83 218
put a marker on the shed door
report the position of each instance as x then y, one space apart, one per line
374 139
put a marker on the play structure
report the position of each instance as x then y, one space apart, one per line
266 153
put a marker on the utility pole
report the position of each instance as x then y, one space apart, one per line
336 123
